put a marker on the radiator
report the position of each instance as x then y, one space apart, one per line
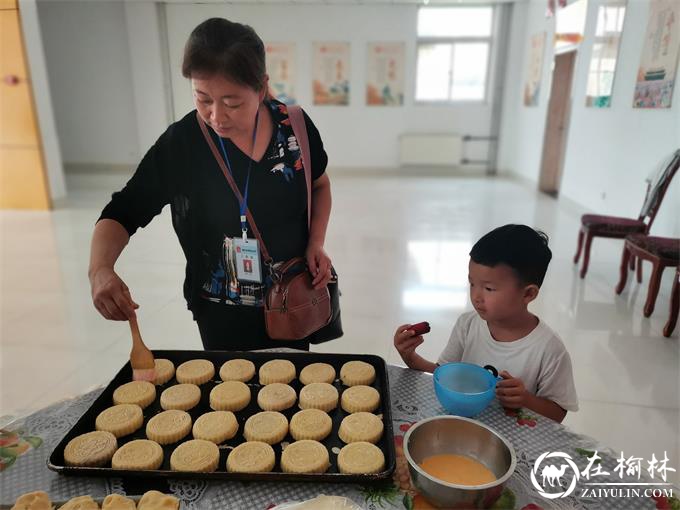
430 149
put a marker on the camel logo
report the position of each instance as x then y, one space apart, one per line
552 475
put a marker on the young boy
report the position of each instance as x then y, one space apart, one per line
506 270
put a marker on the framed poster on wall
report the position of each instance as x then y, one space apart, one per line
281 70
532 85
385 74
659 60
331 64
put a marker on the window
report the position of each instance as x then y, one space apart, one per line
605 54
453 53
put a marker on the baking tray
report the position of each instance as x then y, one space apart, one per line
87 422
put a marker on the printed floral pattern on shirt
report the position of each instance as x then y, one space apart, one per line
285 153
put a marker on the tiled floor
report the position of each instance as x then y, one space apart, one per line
400 246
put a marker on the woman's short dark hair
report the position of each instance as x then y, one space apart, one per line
522 248
220 46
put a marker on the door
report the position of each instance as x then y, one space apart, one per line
559 107
23 183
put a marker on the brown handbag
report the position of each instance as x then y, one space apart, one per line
293 309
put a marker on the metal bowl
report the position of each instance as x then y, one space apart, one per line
458 436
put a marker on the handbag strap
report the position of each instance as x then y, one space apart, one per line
297 122
232 184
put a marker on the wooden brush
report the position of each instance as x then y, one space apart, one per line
141 358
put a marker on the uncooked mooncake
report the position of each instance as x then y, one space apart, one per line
317 372
164 370
361 459
251 457
196 455
140 454
360 398
361 427
277 371
241 370
37 500
154 500
181 396
355 373
268 427
305 456
118 502
120 420
93 449
230 396
195 371
276 397
141 393
80 503
217 426
169 426
312 424
322 396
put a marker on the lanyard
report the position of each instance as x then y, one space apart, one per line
244 203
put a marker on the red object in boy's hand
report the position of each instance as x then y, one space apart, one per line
421 328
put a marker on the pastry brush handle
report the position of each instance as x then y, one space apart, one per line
141 358
136 335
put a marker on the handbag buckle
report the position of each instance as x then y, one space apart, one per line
275 275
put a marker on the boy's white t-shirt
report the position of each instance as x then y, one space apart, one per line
539 359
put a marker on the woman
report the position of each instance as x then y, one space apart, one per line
225 62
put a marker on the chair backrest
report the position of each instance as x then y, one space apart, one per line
656 189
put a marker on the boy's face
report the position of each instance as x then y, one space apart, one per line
497 293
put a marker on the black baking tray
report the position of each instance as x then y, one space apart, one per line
87 422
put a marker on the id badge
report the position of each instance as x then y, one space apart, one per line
247 253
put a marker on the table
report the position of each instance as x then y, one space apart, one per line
25 446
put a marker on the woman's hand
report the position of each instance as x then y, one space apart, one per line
319 264
110 295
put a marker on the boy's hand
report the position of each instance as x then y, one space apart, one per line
406 342
510 391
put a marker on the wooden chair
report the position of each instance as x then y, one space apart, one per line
662 252
675 305
595 225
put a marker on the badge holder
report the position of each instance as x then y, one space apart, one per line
248 265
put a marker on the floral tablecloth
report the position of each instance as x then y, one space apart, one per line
25 446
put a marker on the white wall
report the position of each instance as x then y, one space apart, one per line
148 62
106 66
510 156
42 98
356 135
610 151
90 74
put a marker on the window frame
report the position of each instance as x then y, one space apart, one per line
429 40
600 39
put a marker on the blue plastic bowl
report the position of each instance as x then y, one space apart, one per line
465 389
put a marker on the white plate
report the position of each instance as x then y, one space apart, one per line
321 502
